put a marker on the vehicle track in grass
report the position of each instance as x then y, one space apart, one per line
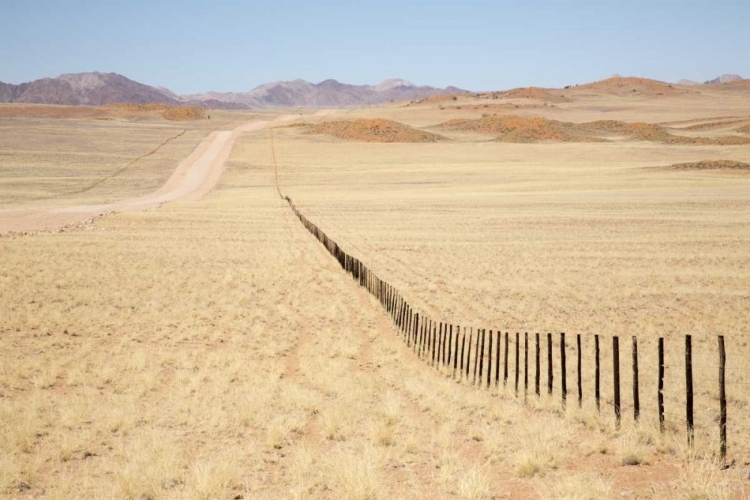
194 177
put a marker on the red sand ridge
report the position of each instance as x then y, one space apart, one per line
622 86
377 130
533 93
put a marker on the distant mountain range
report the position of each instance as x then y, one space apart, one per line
106 88
727 78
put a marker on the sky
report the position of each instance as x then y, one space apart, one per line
197 46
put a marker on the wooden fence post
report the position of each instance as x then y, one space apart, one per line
498 336
597 374
518 359
616 377
476 357
463 347
415 330
580 376
689 390
446 347
563 371
481 357
660 393
722 402
450 344
455 355
505 367
525 364
440 343
489 361
434 341
549 363
468 353
636 392
537 370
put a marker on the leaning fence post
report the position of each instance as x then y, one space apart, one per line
689 390
661 385
636 393
722 402
616 377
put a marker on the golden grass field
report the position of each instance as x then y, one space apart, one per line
213 348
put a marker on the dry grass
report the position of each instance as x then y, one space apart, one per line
65 162
215 350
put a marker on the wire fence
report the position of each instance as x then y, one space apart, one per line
620 370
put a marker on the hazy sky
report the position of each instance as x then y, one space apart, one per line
191 46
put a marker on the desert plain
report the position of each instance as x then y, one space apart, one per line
200 343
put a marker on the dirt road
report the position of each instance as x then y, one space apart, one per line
196 176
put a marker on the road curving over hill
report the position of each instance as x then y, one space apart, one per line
195 176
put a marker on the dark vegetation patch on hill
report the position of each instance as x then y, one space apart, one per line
168 112
512 128
108 112
711 165
376 130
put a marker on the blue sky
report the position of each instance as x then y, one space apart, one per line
191 46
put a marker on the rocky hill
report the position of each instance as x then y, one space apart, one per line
724 79
84 88
328 93
106 88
